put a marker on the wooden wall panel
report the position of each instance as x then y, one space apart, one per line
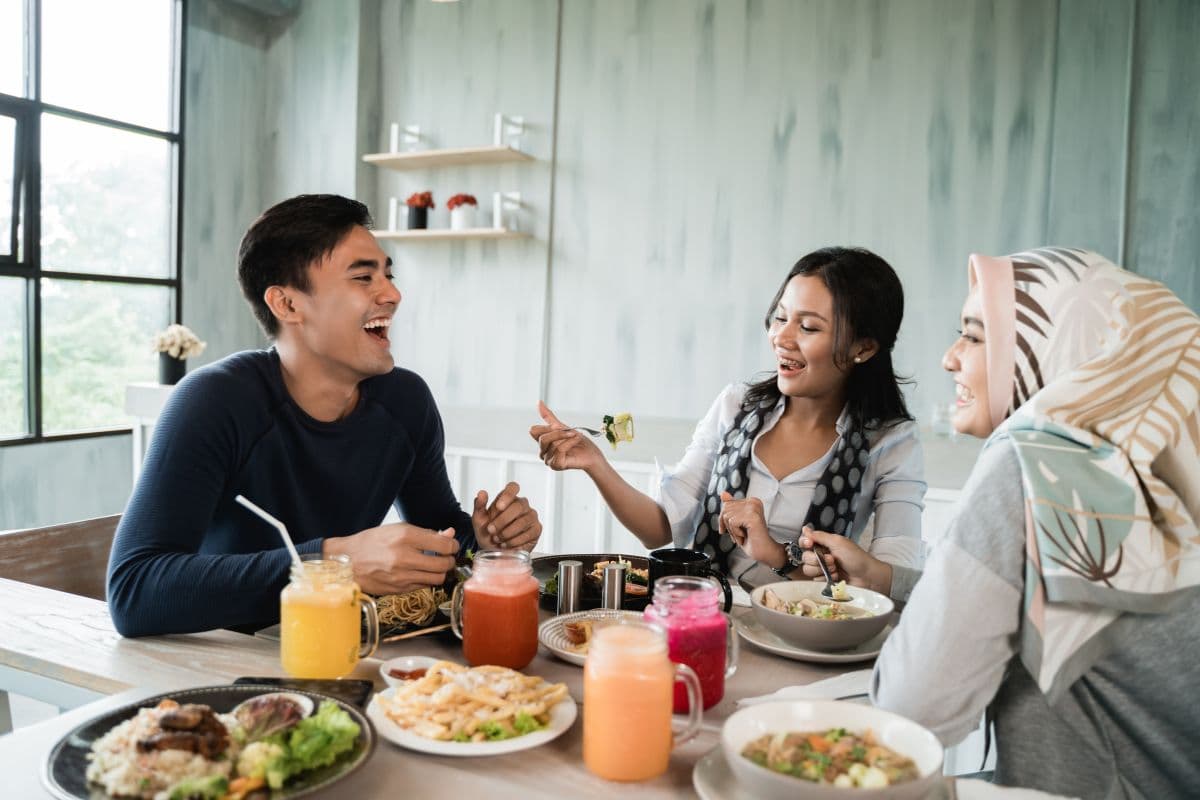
471 321
1164 169
703 147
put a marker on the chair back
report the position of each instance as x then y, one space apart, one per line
71 557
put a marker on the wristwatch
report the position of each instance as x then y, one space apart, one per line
795 557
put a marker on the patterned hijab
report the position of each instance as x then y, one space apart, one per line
1095 374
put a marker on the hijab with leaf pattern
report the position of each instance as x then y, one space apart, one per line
1094 375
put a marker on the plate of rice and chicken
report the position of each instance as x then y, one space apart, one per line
242 742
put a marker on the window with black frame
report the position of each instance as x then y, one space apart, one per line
90 154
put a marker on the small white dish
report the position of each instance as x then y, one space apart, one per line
404 664
714 780
891 730
302 701
750 629
562 716
554 638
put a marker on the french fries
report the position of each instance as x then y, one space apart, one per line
454 703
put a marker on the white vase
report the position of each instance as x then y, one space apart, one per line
462 217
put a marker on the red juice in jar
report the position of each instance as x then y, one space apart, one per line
689 610
495 611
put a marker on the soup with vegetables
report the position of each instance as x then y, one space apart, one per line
835 757
806 607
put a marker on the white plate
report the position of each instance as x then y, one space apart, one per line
714 780
750 630
551 634
562 716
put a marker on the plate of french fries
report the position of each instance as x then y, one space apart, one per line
455 710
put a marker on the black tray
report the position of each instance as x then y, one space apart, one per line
546 567
64 773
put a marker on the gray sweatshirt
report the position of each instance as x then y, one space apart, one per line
1129 728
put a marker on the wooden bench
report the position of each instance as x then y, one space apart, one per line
72 557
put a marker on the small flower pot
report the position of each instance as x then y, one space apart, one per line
418 217
170 370
462 217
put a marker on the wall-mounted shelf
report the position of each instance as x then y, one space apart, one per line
420 159
444 234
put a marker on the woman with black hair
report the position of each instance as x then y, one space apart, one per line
825 442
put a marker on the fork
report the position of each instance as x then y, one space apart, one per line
588 431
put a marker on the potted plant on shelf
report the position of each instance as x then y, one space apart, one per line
419 204
462 211
175 345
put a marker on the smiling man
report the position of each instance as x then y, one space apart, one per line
322 430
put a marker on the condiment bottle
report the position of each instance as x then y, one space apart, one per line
689 610
570 585
627 681
495 611
612 589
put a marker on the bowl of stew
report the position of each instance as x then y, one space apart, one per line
799 614
830 750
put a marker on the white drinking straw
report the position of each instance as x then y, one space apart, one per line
283 533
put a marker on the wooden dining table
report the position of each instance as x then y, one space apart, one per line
58 639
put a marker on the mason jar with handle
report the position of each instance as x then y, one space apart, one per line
698 634
320 635
495 611
627 680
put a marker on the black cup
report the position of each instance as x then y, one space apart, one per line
685 561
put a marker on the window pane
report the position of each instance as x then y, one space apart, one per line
96 338
111 58
12 49
8 147
12 358
106 202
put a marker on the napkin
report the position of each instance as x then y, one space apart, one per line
848 683
741 597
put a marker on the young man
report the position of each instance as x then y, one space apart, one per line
322 430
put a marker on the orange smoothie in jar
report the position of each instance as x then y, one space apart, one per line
319 622
627 699
500 611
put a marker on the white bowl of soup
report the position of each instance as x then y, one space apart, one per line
830 750
799 614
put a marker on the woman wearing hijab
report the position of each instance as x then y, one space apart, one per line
825 439
1063 597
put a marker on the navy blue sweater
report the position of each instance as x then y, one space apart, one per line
188 558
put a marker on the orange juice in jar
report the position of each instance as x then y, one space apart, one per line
627 697
319 610
495 611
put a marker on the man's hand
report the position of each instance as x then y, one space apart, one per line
508 523
746 524
396 558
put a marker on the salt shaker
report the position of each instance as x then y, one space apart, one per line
612 591
570 584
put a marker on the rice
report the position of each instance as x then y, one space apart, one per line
117 766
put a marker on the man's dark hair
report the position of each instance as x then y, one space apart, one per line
281 244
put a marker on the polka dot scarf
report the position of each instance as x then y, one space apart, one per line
835 498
